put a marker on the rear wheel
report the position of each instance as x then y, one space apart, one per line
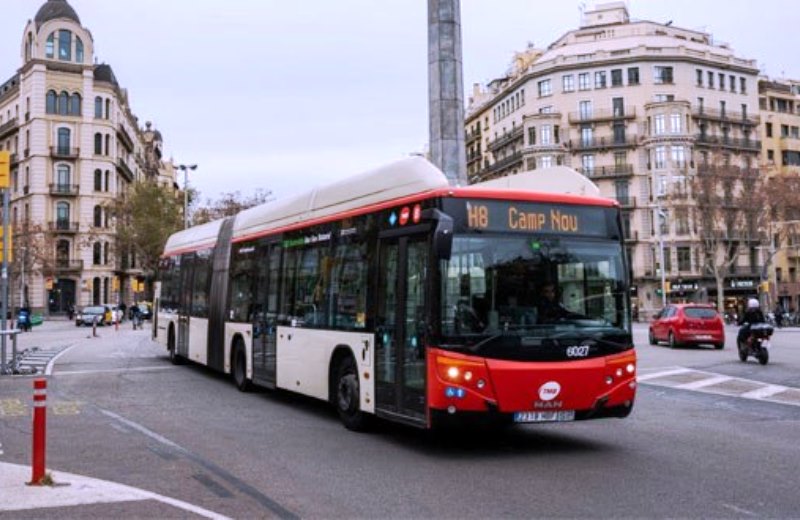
719 346
672 341
239 368
174 358
348 396
651 338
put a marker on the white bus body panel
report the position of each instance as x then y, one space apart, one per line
303 358
245 330
198 340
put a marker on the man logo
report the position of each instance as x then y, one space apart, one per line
549 391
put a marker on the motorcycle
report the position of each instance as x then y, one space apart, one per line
24 321
757 343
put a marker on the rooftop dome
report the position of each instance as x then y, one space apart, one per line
54 9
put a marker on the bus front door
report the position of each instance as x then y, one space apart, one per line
400 324
185 306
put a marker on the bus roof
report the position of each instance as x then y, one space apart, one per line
410 177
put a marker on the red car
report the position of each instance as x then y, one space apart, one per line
688 324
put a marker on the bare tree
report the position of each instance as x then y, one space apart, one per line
229 204
730 215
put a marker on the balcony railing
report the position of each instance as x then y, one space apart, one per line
65 266
602 115
726 116
63 226
124 169
9 127
505 139
602 143
64 152
505 162
626 202
745 270
124 138
599 172
64 190
729 142
470 137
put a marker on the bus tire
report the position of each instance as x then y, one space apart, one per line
239 366
347 396
174 358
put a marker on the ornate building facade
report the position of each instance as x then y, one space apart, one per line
75 146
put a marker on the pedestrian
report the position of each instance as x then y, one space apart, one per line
122 309
70 311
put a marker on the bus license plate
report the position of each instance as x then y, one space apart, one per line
554 416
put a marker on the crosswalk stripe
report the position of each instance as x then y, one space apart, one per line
695 385
763 393
663 373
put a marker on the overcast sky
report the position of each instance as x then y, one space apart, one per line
287 95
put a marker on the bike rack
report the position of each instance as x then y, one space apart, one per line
12 366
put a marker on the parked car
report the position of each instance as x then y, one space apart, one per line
688 324
89 314
115 314
145 310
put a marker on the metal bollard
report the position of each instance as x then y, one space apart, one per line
94 327
39 430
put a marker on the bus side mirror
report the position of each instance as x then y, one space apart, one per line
442 233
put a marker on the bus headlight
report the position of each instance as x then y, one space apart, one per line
452 373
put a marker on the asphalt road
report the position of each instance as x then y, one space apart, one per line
709 437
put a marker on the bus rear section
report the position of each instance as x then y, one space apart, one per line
534 315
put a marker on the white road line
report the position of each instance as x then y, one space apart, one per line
49 370
695 385
111 370
763 393
663 373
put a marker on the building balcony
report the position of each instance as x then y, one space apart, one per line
64 152
602 143
745 270
608 172
728 142
505 139
125 170
506 162
473 157
633 236
63 226
725 116
471 137
595 116
626 202
68 266
8 128
125 138
64 190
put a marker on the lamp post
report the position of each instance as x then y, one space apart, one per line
659 215
185 168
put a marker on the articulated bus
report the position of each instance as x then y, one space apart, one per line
394 294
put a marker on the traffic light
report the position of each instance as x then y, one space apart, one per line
765 287
5 168
668 287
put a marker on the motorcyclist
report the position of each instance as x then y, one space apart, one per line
752 315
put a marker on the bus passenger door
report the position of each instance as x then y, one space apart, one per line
400 323
265 324
187 263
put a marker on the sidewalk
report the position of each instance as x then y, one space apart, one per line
82 495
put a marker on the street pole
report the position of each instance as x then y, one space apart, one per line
4 279
661 254
185 168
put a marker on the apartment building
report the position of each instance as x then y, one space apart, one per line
636 106
779 104
75 145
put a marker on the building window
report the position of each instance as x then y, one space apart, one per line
600 79
62 216
710 79
699 77
108 177
545 88
50 46
662 75
679 156
633 75
98 216
51 104
98 180
659 124
98 107
96 253
547 161
105 253
63 141
586 135
768 129
619 133
721 81
532 135
75 104
63 103
675 123
660 157
585 109
587 162
98 144
78 50
568 83
583 81
62 177
108 145
616 77
732 82
684 259
743 85
64 45
547 134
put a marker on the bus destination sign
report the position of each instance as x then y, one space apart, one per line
512 216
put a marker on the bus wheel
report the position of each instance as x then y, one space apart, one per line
239 368
348 396
174 358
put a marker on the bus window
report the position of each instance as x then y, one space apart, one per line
347 286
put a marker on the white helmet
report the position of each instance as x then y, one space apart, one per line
752 303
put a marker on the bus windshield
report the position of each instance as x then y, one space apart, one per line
528 297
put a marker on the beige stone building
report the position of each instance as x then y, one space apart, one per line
779 104
635 106
75 145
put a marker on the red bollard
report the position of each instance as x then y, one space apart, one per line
39 429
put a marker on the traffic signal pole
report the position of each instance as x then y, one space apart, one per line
4 183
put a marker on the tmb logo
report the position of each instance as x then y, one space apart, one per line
549 391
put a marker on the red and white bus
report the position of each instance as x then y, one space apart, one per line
394 294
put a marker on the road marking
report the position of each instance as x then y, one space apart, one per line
663 373
13 408
696 385
767 391
112 370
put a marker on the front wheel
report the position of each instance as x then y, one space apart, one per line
763 356
650 337
239 368
348 396
673 343
174 357
742 351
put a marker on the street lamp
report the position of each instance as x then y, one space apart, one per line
185 168
661 215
